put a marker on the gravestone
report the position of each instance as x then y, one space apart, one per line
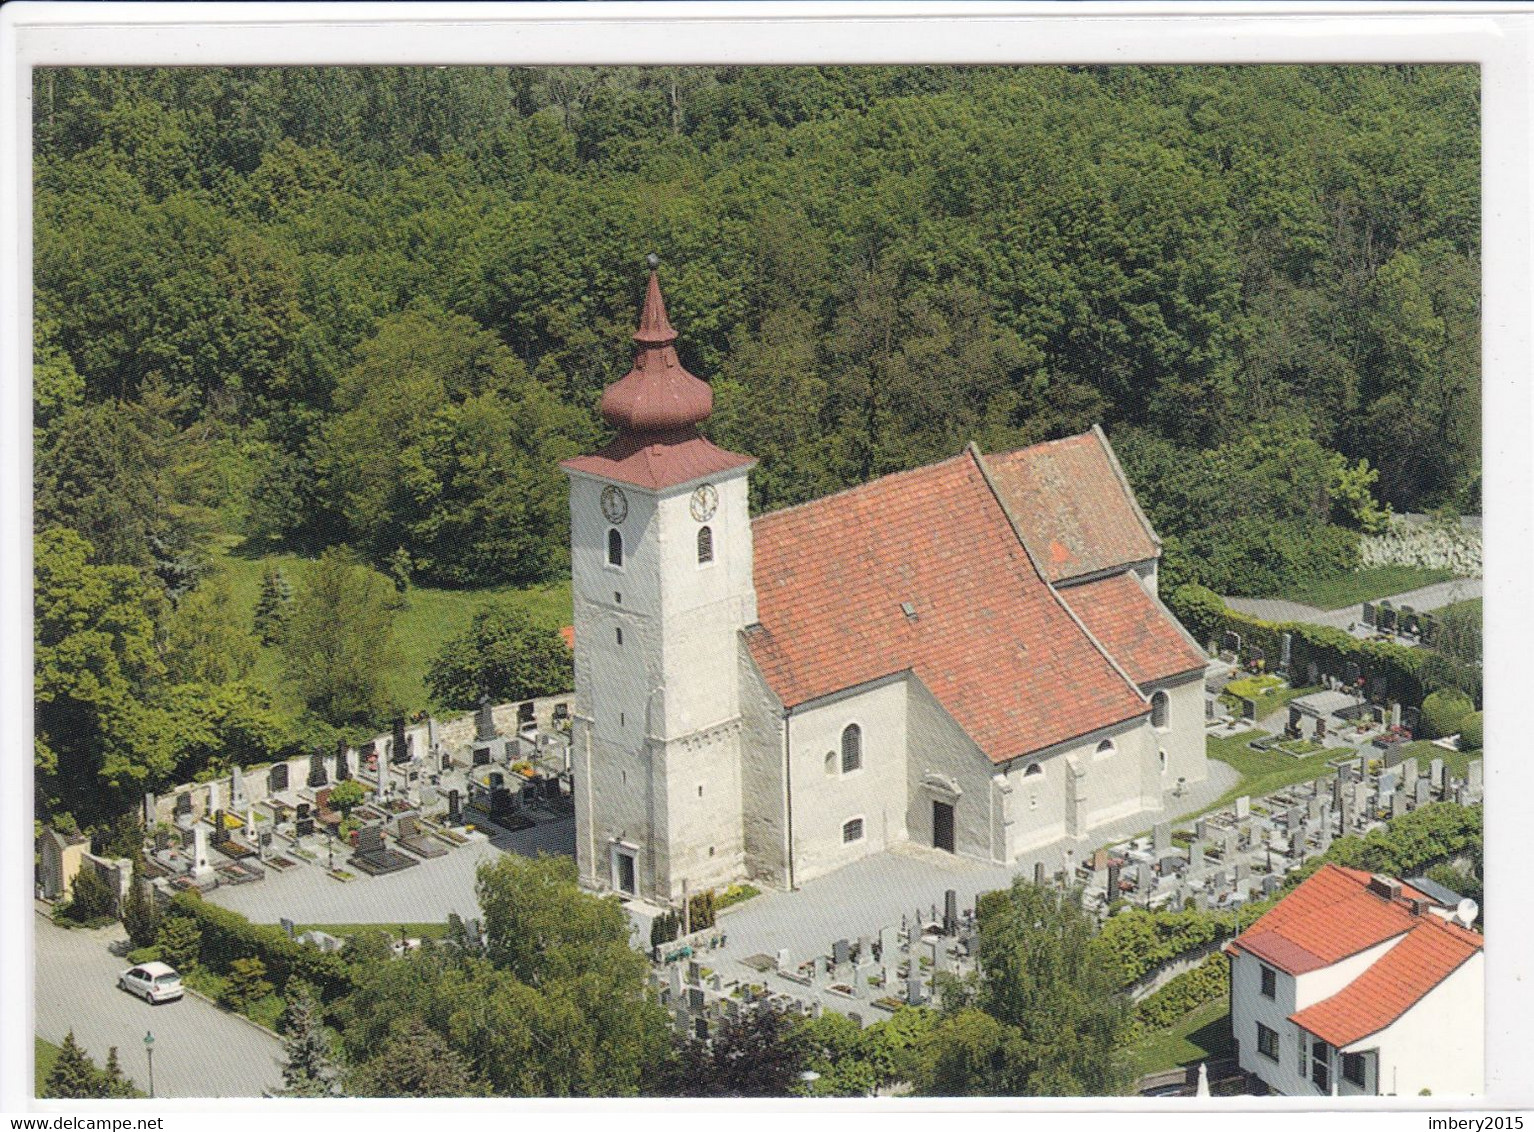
950 912
1114 868
399 749
1475 775
1209 703
1293 817
915 992
201 867
276 778
1337 792
1038 873
1201 829
1248 709
1369 613
1271 884
1243 807
1229 847
289 928
317 775
1161 837
1324 841
1242 870
213 798
1195 858
237 798
343 762
1286 654
1461 794
1438 774
1397 805
781 959
1409 775
303 824
1422 792
889 944
484 721
841 951
1145 877
677 988
1100 859
183 807
1388 782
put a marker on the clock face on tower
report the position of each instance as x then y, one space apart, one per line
705 501
615 505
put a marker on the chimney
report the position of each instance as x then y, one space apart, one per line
1388 887
1420 905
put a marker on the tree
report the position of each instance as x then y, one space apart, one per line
180 943
90 898
309 1069
347 796
1200 609
503 654
245 985
74 1076
758 1054
340 640
273 606
1472 731
1042 1016
414 1062
114 1082
206 639
141 914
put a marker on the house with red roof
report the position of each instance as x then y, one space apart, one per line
969 656
1360 985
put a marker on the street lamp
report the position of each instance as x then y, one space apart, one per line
149 1053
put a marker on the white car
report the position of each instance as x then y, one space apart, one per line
153 982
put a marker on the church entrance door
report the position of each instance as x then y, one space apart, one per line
942 826
623 864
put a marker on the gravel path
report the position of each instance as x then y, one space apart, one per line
1427 598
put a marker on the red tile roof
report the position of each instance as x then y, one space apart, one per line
1432 950
1135 628
1328 917
990 639
1076 510
657 462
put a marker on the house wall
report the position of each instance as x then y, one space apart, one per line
1314 986
945 765
1248 1007
824 799
1438 1044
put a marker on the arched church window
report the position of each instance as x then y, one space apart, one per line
1162 756
852 748
1160 710
614 547
1033 769
1105 748
705 545
852 831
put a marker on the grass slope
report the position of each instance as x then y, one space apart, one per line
44 1054
430 619
1201 1035
411 930
1262 772
1363 585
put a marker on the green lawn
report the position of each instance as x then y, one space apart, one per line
412 931
1363 585
1201 1035
1471 606
1270 698
45 1054
1263 772
431 618
1424 752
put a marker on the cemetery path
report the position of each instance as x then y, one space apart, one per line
1422 600
860 898
427 892
200 1051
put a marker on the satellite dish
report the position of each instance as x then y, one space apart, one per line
1467 911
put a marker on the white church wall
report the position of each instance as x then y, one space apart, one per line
1183 737
824 799
1117 761
1038 802
945 765
764 796
702 782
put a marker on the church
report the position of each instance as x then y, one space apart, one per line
969 656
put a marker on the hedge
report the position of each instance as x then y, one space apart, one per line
1409 845
1209 981
1443 711
1331 650
227 936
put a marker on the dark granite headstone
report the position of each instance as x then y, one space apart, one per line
950 912
1369 613
454 814
1113 879
841 951
1038 873
317 775
303 824
484 721
343 764
481 756
400 749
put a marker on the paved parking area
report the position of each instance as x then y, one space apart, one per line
199 1050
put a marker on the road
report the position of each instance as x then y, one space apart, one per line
199 1050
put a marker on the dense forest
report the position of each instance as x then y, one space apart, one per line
365 311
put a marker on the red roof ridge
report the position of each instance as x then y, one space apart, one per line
985 473
792 508
1118 471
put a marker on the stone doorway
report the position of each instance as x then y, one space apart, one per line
942 826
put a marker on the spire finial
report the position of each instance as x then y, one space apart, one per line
653 260
654 328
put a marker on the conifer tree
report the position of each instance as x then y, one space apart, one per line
115 1083
272 606
73 1077
310 1070
140 915
180 943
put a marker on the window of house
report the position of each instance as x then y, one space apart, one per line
1267 1042
1160 711
852 831
852 749
1353 1069
1320 1066
705 545
1269 983
614 547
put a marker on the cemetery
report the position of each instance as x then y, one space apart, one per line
427 788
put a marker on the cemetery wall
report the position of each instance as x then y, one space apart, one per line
945 765
825 799
764 793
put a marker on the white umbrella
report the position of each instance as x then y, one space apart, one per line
1203 1080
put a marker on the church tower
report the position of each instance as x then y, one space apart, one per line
660 559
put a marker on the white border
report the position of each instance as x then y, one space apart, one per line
1497 36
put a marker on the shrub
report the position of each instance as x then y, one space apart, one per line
141 914
1209 981
1201 611
227 936
91 899
246 985
1470 737
1442 712
179 941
